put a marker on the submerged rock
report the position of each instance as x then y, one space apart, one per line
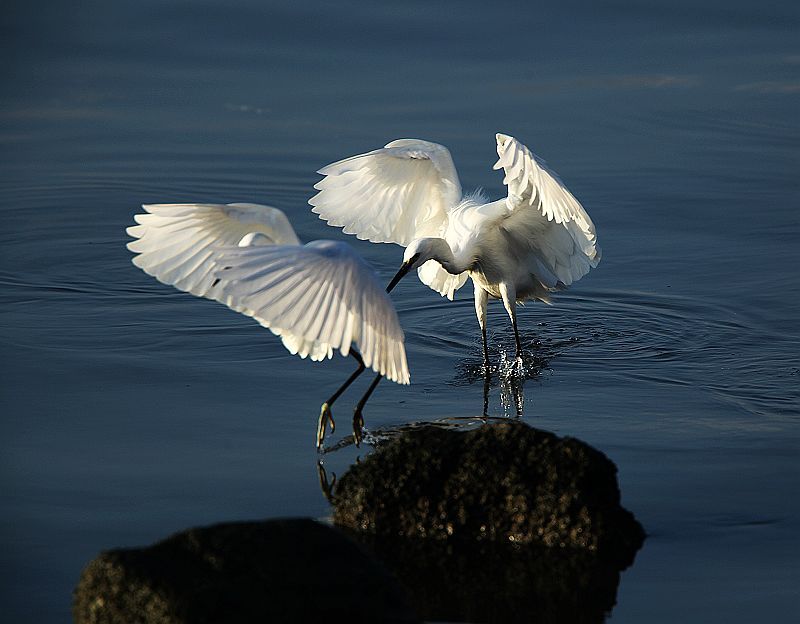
503 482
272 571
504 523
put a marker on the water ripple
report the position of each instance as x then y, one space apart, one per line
643 337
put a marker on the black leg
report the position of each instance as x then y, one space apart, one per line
516 337
357 356
486 372
486 385
325 413
485 350
358 418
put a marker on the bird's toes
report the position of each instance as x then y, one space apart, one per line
325 417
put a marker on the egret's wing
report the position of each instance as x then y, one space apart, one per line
545 216
319 298
179 244
434 275
391 195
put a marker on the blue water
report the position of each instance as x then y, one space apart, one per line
130 410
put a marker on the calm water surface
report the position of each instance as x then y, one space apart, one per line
130 410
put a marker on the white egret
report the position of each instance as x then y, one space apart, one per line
537 240
319 297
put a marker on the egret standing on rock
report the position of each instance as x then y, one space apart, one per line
318 297
537 240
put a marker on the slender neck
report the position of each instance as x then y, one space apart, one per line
451 264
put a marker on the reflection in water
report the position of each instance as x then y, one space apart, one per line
324 484
499 582
508 372
376 437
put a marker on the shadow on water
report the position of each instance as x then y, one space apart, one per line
496 579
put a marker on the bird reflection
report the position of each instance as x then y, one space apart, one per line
326 485
509 373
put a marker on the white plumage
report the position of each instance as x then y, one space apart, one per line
319 298
390 195
536 240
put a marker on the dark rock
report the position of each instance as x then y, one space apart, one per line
273 571
502 482
504 523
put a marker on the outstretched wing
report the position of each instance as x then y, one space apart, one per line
545 216
390 195
319 298
179 244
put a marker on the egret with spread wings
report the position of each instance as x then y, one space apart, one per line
318 298
537 240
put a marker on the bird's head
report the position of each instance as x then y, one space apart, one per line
418 253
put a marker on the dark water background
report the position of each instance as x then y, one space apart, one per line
130 410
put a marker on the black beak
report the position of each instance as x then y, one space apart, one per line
400 274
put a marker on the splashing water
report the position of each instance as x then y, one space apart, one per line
512 374
508 372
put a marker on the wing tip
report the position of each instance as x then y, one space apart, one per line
502 139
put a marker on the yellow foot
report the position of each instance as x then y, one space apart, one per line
325 417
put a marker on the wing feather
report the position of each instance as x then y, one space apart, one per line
318 298
179 244
434 275
544 218
394 194
330 300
